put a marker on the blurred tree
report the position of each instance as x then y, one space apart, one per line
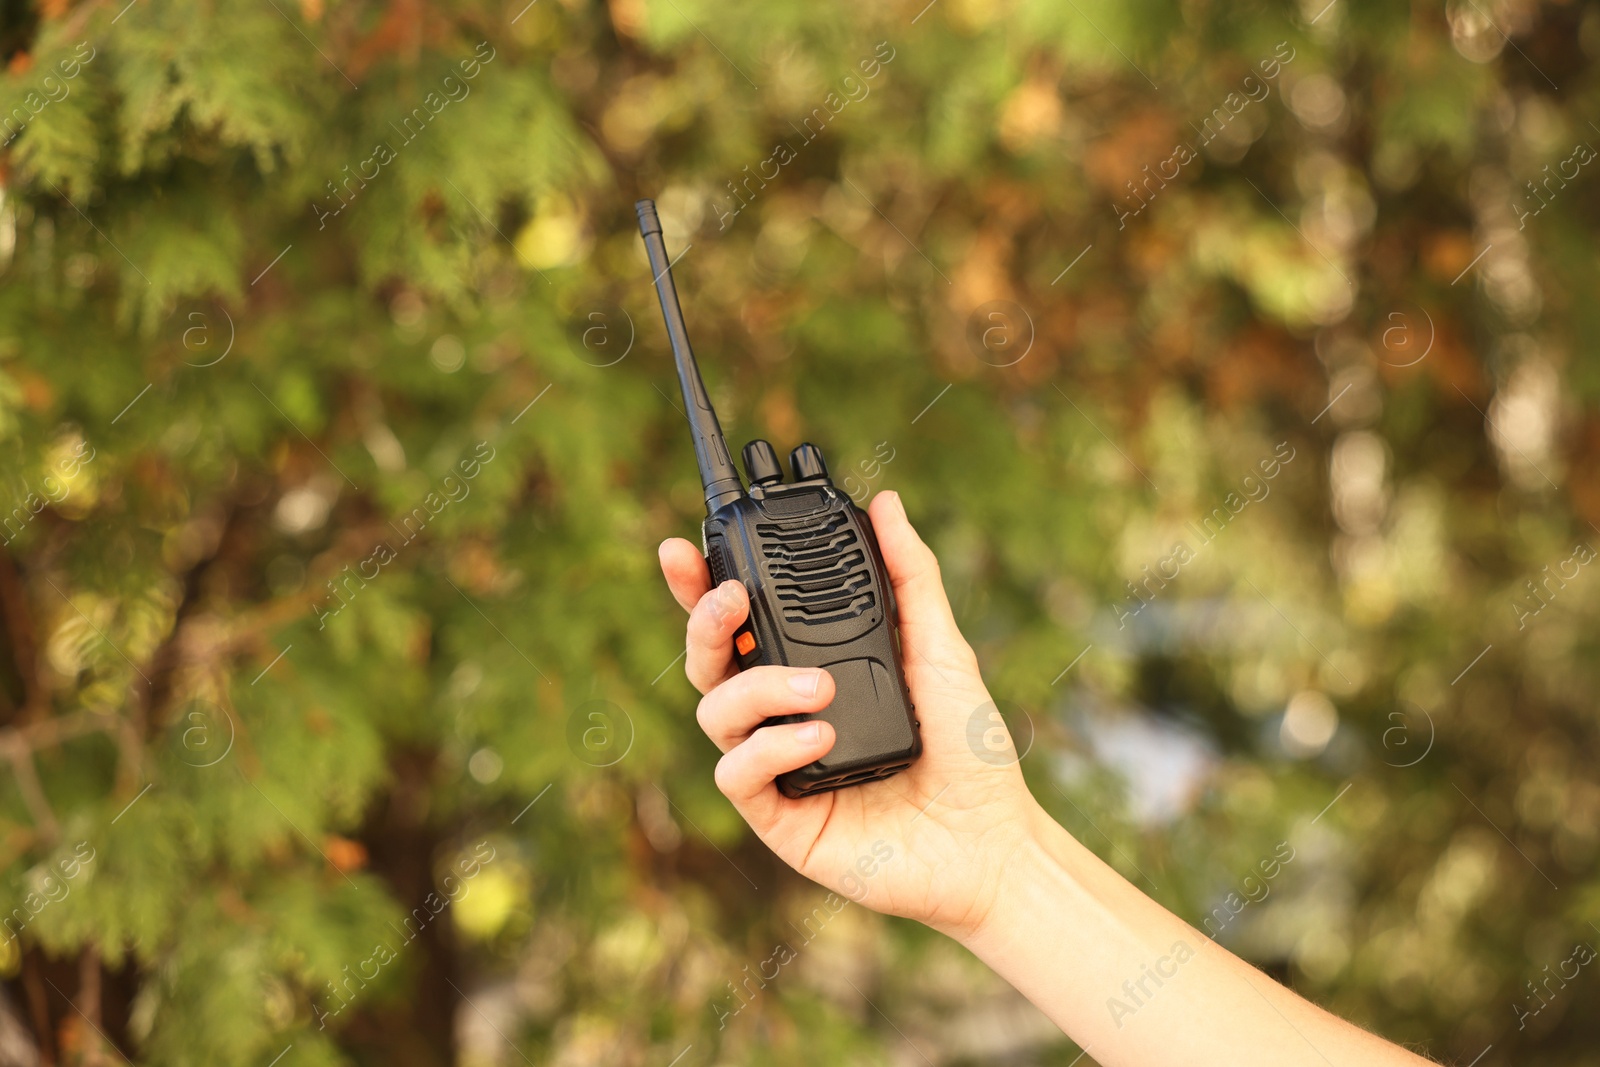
340 707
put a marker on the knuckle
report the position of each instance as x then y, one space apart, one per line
769 677
705 713
725 774
703 680
703 619
922 569
959 656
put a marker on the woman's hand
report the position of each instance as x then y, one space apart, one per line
957 842
930 843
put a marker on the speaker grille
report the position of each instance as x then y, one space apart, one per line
819 570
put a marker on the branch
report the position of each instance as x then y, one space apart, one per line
249 629
50 732
169 655
17 1046
21 756
38 1006
89 994
17 621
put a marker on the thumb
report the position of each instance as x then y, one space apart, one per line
926 623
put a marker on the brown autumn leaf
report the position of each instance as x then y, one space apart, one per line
1447 253
1147 137
345 855
781 416
477 568
1583 466
1031 114
37 392
627 17
1259 361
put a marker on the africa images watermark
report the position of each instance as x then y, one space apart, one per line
854 883
1164 969
1551 584
859 482
49 888
1582 954
1581 155
855 90
410 128
1254 889
415 922
412 523
56 489
1210 527
1212 127
1138 992
51 89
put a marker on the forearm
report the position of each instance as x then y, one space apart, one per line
1135 985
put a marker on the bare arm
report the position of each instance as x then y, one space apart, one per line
958 842
1135 985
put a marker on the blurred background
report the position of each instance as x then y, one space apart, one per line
1229 355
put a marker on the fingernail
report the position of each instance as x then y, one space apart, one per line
805 683
894 499
809 734
727 598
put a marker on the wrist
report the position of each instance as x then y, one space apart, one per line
1014 869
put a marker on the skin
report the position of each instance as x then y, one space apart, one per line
975 856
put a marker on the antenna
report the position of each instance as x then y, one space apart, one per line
717 472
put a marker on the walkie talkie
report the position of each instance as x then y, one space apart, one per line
819 593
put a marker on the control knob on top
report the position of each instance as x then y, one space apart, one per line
807 462
761 463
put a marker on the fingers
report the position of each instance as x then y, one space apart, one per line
710 636
745 774
713 613
685 570
925 618
736 707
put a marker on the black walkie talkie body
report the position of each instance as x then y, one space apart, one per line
820 595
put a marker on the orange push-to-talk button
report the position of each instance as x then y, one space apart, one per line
745 642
